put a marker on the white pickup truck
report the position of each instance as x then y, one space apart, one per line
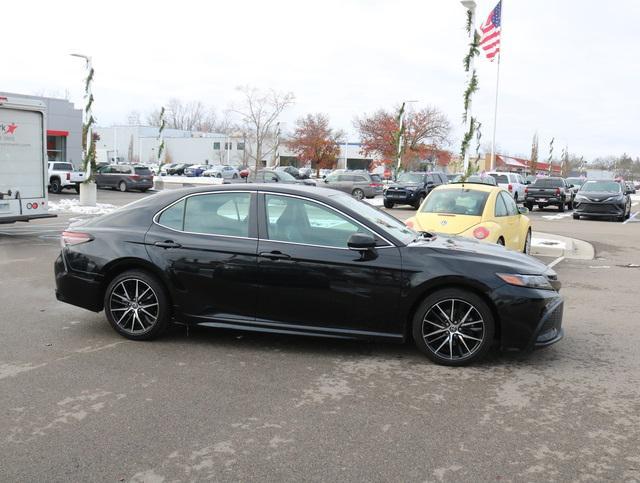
62 175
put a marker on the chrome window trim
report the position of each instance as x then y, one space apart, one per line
159 213
389 244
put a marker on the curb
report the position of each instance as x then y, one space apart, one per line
548 245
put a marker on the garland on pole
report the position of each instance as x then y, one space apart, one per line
550 154
472 88
89 139
161 137
397 138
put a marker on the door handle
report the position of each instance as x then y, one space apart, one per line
274 255
167 244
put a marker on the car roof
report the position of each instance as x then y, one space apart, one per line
472 186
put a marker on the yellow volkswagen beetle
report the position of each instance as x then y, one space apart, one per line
475 210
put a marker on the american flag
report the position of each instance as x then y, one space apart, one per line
490 33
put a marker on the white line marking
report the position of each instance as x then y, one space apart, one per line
555 262
630 218
599 266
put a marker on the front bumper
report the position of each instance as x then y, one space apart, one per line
529 318
76 288
599 209
401 196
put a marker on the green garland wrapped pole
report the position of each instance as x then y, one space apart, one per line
471 123
550 156
161 137
88 190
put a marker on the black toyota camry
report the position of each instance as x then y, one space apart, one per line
309 261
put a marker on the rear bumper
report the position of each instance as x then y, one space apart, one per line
76 289
13 219
547 201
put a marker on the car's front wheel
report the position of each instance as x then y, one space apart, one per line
136 305
388 204
453 327
419 201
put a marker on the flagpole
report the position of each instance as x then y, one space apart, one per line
495 118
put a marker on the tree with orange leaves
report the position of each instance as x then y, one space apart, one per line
313 141
424 132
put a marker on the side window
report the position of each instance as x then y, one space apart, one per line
512 208
430 179
218 214
501 208
306 222
360 179
173 217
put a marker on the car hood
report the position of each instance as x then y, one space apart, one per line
487 253
599 195
445 223
405 185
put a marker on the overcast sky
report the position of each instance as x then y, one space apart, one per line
570 69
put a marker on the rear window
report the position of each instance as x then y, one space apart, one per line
501 178
548 183
457 202
142 170
63 166
376 178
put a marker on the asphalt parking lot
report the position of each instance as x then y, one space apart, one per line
80 403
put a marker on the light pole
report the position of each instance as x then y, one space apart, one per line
470 5
400 134
88 192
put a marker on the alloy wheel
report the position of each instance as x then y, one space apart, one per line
358 194
453 329
134 306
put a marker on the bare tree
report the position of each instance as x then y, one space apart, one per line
259 113
133 118
192 116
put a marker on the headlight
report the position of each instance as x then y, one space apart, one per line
615 198
530 281
581 198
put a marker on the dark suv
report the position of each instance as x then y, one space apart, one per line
549 192
411 188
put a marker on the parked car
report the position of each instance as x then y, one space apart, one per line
306 173
325 172
475 210
358 184
166 167
222 171
64 176
476 178
273 176
549 191
178 169
195 170
631 188
453 176
411 188
125 177
603 199
275 268
514 183
293 171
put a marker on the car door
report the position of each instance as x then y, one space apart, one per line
206 246
309 278
341 182
512 222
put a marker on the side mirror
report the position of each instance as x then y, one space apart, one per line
274 179
523 210
527 182
361 242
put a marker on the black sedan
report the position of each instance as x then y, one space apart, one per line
309 261
603 199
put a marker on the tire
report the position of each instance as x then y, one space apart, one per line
500 241
561 207
477 334
388 204
419 202
358 194
570 205
55 186
576 216
77 188
122 186
529 206
144 190
118 303
235 176
515 198
527 244
541 207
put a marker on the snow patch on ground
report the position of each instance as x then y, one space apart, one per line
544 242
556 217
377 201
73 206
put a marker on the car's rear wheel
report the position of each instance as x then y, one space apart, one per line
388 204
358 194
529 206
515 198
77 188
576 216
55 186
561 207
122 186
540 207
136 305
527 243
235 176
570 205
453 327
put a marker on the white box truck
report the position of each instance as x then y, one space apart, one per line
23 160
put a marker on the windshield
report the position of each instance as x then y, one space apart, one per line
284 176
385 222
411 178
456 202
601 186
548 183
142 170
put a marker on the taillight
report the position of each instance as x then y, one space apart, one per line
526 190
510 187
68 176
481 233
134 177
557 191
409 223
74 238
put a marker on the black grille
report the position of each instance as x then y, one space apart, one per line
598 208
